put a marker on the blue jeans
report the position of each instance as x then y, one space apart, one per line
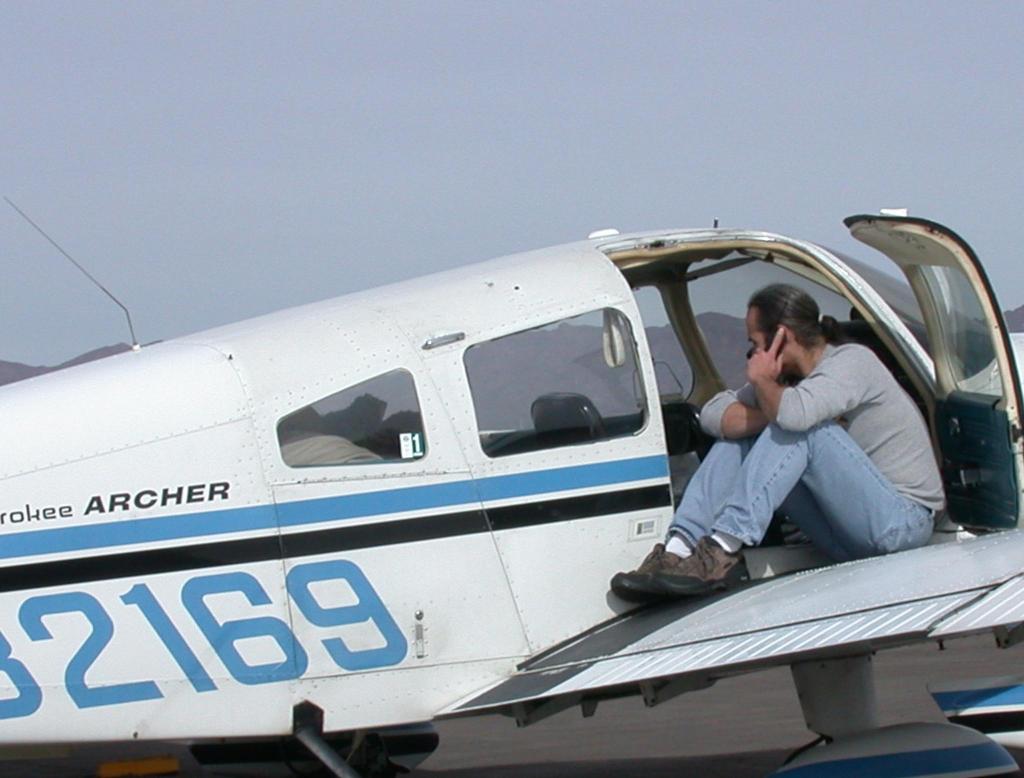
821 479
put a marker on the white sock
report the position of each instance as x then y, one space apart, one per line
676 545
728 542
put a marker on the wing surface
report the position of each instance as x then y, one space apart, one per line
937 592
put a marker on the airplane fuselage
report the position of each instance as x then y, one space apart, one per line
383 503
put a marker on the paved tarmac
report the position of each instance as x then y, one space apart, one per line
743 726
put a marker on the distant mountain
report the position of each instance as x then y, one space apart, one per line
16 371
1015 319
91 356
726 337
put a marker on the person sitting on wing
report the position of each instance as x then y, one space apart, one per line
865 486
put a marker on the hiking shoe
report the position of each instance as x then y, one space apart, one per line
652 562
708 569
638 585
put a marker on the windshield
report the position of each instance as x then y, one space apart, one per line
895 291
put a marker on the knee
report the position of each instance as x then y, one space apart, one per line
832 435
784 437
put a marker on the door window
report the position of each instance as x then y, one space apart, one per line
570 382
966 339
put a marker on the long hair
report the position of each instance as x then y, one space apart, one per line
785 305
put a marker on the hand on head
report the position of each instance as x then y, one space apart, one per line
765 365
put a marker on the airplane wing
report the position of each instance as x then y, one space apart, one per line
932 593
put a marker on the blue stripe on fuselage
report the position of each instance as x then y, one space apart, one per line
131 532
500 487
979 698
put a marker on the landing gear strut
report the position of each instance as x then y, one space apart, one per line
368 756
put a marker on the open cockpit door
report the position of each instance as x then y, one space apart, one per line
977 388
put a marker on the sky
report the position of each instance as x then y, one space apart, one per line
214 161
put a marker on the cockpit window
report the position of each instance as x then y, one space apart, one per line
719 300
570 382
896 292
372 422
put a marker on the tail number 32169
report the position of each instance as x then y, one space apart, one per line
223 636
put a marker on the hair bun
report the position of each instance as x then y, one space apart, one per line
830 328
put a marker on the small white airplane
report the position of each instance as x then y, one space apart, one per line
335 524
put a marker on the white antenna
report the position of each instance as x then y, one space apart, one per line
71 259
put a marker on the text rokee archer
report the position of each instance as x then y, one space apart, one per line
28 513
142 500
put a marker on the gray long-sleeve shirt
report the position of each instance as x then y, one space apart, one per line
849 382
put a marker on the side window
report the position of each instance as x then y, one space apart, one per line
671 367
573 381
372 422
